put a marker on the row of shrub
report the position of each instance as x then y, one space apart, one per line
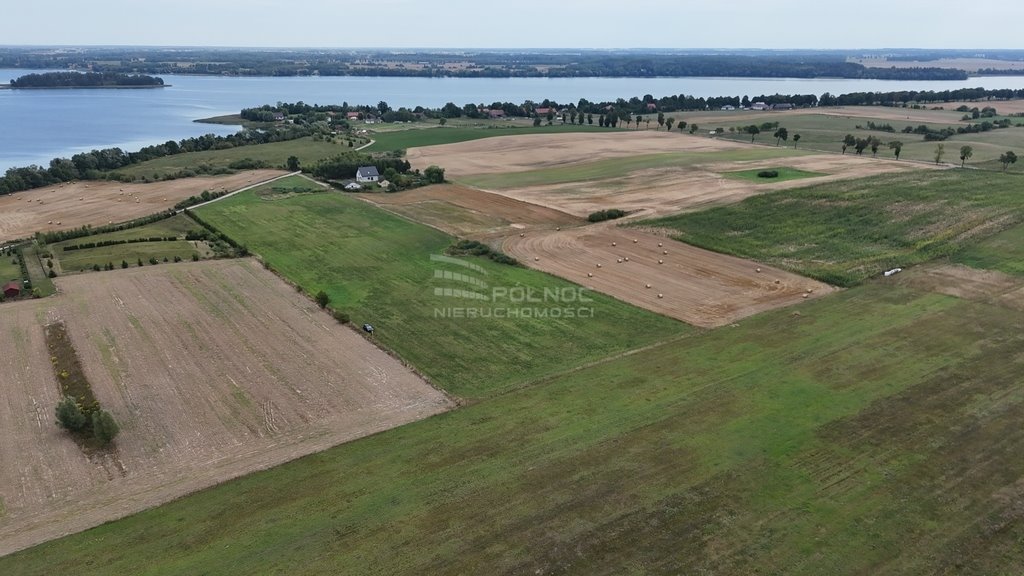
88 245
240 249
768 174
609 214
62 235
474 248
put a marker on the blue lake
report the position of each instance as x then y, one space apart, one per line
37 125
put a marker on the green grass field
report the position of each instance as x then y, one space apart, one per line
9 269
402 139
877 433
619 167
784 173
85 259
843 232
37 271
826 132
1003 252
377 268
276 154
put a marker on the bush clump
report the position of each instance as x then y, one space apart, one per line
602 215
768 174
475 248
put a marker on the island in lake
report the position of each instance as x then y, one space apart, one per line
86 80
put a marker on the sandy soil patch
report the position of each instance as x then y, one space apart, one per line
99 202
990 286
535 151
696 286
212 369
463 211
666 191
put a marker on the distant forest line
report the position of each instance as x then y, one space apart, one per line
485 63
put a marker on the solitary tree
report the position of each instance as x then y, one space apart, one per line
860 144
874 143
668 123
104 428
753 131
848 141
940 151
69 414
639 119
322 299
682 125
896 146
661 120
796 138
442 121
1007 158
780 135
536 120
293 164
590 118
572 116
965 154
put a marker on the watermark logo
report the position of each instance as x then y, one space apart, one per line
466 292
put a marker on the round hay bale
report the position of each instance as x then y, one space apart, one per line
521 235
664 252
590 274
660 244
619 260
647 285
809 290
758 270
776 280
49 221
635 240
805 295
661 295
598 265
58 222
660 261
614 244
536 258
557 228
626 258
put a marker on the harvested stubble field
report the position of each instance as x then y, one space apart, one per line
213 370
534 151
655 171
462 211
99 202
696 286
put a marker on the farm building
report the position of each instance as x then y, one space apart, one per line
783 106
367 174
12 289
759 106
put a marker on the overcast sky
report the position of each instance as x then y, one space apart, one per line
519 23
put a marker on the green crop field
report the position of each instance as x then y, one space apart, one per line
1003 252
276 154
784 173
878 432
843 232
84 259
402 139
377 267
619 167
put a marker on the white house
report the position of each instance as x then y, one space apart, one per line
367 174
759 106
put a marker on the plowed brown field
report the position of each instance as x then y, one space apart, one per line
99 202
212 369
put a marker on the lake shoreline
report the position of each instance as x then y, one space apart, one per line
9 87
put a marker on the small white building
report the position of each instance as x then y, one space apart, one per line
759 106
367 174
353 187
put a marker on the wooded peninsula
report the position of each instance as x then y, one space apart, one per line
86 80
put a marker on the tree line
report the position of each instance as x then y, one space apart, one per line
489 63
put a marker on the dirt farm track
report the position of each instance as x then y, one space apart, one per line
212 369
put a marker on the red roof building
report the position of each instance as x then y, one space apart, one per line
12 289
